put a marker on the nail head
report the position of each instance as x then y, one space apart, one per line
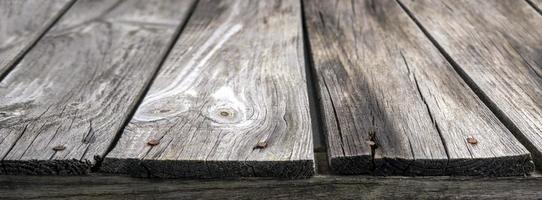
261 145
472 140
153 142
59 148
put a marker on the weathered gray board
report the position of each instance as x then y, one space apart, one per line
498 52
230 100
22 22
391 102
319 187
75 88
537 5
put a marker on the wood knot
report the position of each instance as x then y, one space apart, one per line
164 111
472 140
9 114
59 148
160 108
224 114
260 145
153 142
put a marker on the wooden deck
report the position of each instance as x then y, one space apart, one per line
318 187
294 89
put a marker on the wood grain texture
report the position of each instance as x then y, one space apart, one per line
536 4
74 90
231 99
319 187
22 24
391 102
497 47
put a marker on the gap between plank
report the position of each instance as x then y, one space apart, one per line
173 41
48 27
319 139
472 85
534 6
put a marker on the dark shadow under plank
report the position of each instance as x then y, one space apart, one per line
68 97
22 24
498 53
230 100
392 104
319 187
536 4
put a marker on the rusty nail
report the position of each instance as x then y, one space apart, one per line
59 148
261 145
153 142
472 140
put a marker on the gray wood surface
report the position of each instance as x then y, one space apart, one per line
391 102
537 5
66 100
319 187
498 52
230 100
21 25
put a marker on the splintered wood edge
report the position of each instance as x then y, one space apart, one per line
45 167
518 165
208 169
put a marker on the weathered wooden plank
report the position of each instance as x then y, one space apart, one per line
67 99
537 5
22 24
319 187
231 99
391 102
498 52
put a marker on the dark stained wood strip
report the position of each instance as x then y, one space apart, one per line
22 24
392 104
498 52
231 99
319 187
64 103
